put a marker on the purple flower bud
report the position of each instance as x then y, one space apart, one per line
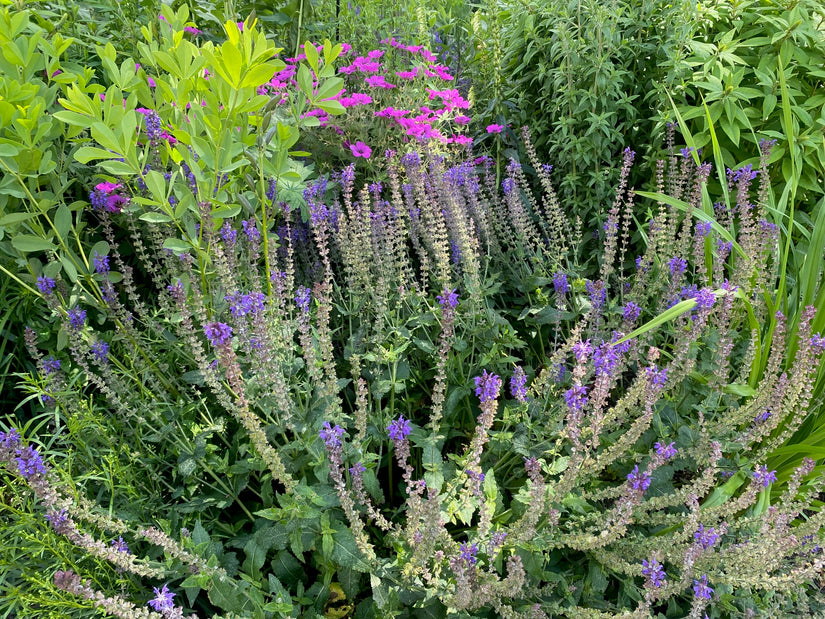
448 299
703 229
58 519
487 386
631 312
706 538
818 343
701 590
250 230
77 318
218 333
121 546
638 480
101 264
666 452
357 469
228 234
331 435
576 397
10 440
678 266
518 384
163 600
399 429
302 298
655 571
100 350
763 476
29 462
468 553
582 350
46 285
50 365
560 283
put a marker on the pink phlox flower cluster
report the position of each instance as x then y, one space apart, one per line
378 81
413 49
375 54
407 75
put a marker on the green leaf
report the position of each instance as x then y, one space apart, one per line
85 154
346 552
29 243
155 218
63 221
177 246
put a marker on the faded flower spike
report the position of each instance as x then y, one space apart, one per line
399 429
487 386
218 333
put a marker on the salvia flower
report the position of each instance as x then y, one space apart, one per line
631 312
487 386
763 476
702 229
665 452
120 546
29 462
399 429
818 342
50 365
101 264
163 600
468 553
10 440
677 266
638 480
58 519
448 299
657 377
706 538
77 318
302 298
251 230
655 571
582 350
331 435
100 350
518 384
560 283
46 285
218 333
357 469
576 397
701 589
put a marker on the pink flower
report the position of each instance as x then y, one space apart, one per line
108 187
442 72
414 49
375 54
359 149
495 128
462 120
407 75
150 81
345 48
165 135
378 81
191 30
428 55
460 139
240 26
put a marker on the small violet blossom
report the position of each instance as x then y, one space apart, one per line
487 386
399 429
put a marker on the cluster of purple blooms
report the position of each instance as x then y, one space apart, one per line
77 318
468 553
399 429
302 299
518 384
560 283
163 601
701 589
332 435
29 461
763 476
448 299
706 538
218 333
655 571
46 285
100 350
243 304
666 452
638 480
487 387
576 397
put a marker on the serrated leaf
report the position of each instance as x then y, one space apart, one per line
345 551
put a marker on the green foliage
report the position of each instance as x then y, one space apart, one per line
584 76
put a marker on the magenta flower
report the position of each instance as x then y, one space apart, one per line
359 149
495 128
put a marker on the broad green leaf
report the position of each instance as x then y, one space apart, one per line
30 243
85 154
155 218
